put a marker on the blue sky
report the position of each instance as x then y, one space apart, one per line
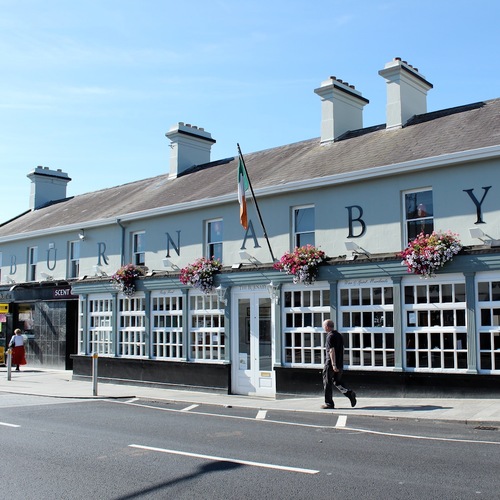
91 87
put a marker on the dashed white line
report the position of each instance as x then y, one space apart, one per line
261 415
5 424
225 459
189 408
342 420
313 426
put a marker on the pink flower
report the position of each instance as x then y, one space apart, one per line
302 263
428 252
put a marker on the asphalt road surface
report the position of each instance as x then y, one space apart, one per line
55 448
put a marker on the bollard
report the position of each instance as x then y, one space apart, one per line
9 363
94 373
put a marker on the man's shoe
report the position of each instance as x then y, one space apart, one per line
352 398
328 407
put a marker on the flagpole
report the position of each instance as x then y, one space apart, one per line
255 201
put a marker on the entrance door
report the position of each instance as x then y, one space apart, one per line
253 344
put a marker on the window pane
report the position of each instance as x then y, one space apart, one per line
483 291
304 226
304 219
495 290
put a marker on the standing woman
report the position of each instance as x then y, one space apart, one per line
17 345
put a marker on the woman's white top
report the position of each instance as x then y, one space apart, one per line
17 340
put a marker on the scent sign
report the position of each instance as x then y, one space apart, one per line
4 308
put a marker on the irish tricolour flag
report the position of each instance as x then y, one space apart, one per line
242 187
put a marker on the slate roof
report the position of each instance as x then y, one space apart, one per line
432 134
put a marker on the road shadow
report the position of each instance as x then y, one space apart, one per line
403 408
218 466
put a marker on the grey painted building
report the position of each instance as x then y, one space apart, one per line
358 194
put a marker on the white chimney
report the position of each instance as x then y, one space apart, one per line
190 146
406 92
47 186
341 108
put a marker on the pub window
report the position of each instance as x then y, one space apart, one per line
419 213
138 248
435 330
367 324
207 337
488 305
305 309
100 324
214 232
166 325
131 326
303 226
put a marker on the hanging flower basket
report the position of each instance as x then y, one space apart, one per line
302 263
200 274
124 279
427 253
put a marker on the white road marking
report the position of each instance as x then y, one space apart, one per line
261 415
342 420
424 438
5 424
189 408
224 459
313 426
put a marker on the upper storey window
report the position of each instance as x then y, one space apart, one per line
214 239
32 262
74 259
138 248
419 213
303 226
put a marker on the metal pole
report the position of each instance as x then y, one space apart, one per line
94 373
9 363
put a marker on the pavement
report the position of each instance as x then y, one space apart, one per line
60 384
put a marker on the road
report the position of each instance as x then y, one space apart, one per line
141 449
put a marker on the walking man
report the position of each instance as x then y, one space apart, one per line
334 366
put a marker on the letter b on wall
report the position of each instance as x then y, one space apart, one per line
355 221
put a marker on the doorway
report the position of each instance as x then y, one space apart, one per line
253 344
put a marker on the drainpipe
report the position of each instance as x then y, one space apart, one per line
122 244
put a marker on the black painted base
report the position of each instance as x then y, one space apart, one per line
153 372
295 381
289 381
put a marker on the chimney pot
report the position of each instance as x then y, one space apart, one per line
47 186
406 92
341 108
193 147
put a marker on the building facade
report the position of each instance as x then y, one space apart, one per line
358 194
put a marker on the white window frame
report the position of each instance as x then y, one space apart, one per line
100 324
139 248
32 263
304 308
167 341
74 262
297 233
428 345
212 243
131 329
488 334
207 335
366 320
423 219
